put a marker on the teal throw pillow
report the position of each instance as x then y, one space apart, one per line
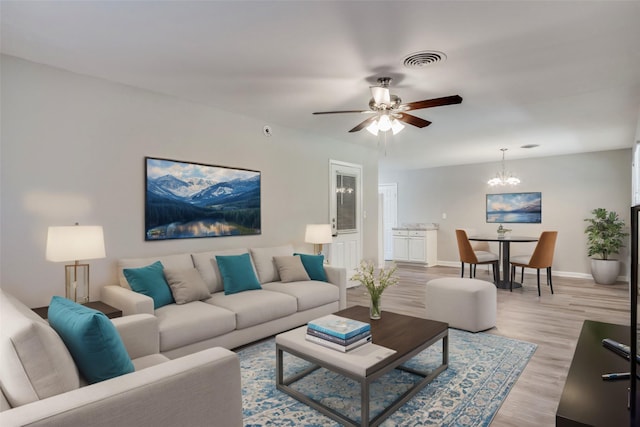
150 281
314 264
237 273
91 338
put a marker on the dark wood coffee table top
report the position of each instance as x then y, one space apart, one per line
396 331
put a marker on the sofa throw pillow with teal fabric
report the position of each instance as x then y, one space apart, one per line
91 338
237 273
150 281
314 264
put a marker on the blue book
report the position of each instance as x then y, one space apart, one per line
337 340
337 326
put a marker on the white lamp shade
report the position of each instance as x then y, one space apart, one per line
318 234
76 242
384 123
373 128
396 126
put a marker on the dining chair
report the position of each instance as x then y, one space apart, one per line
473 258
479 247
542 257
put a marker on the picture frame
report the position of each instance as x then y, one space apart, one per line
514 208
192 200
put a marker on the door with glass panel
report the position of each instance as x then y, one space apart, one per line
345 209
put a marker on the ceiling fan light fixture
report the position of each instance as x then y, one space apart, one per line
373 128
384 123
396 126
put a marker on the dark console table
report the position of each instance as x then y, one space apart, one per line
587 400
110 312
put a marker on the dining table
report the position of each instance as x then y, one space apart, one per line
503 281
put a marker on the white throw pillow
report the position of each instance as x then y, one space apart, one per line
35 362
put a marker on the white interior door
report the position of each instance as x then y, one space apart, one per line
390 216
345 213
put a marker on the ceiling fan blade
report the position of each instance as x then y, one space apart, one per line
346 111
413 120
436 102
381 95
364 124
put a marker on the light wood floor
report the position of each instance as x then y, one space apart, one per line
553 322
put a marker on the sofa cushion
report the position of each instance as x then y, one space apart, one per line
150 281
237 273
186 285
314 265
255 307
189 323
168 261
91 338
265 265
309 294
35 363
206 264
290 268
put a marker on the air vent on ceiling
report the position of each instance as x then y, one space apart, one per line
423 58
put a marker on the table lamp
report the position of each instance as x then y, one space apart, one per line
318 234
74 243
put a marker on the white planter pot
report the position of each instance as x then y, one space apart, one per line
605 271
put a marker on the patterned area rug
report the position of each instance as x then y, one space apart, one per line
482 370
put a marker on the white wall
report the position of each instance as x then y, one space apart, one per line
571 187
73 150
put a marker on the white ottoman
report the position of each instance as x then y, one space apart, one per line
468 304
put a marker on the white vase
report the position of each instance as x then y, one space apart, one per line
605 271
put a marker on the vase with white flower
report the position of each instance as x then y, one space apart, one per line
375 284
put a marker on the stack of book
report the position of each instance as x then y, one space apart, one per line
338 333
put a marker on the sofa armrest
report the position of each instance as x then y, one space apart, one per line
128 301
338 277
197 389
140 334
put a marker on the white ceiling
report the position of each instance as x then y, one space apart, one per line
564 75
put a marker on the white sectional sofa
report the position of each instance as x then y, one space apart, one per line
230 320
41 385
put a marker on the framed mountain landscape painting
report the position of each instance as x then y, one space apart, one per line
189 200
523 208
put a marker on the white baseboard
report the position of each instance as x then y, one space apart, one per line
573 274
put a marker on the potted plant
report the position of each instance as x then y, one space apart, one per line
605 237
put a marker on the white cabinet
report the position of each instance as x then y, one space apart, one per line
416 246
400 245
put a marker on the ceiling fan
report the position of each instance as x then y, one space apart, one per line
389 110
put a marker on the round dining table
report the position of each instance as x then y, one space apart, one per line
503 281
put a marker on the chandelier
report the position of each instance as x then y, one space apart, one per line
503 178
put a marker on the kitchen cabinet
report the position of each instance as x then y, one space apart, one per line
415 246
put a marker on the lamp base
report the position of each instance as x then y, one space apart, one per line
77 282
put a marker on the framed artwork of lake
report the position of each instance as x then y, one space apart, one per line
189 200
524 208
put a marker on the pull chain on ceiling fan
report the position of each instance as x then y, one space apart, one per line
389 111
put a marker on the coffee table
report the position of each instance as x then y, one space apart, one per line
396 339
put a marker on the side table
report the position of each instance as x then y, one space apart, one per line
110 312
